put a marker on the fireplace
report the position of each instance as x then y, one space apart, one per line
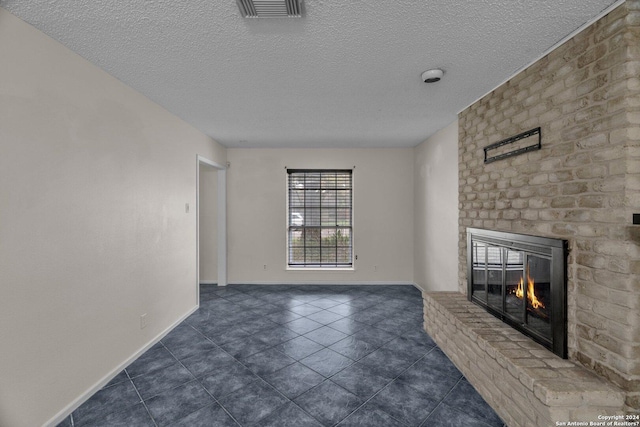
521 280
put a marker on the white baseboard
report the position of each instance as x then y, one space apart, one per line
64 413
333 282
415 285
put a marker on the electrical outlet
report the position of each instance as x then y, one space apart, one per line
375 268
143 321
264 267
186 208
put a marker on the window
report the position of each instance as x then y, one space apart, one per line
320 231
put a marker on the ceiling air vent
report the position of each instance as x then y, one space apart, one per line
270 8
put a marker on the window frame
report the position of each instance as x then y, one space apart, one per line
315 266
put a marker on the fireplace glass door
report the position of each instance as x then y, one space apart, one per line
514 305
537 293
514 280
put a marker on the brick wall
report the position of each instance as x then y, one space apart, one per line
583 186
524 383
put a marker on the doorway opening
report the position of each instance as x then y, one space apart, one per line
211 224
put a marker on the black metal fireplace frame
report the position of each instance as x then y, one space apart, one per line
553 249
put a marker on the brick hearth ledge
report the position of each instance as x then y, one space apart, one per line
525 383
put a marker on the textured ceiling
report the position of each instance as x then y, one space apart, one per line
347 74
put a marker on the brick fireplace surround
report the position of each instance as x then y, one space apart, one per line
582 186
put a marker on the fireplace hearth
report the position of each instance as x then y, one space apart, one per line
521 279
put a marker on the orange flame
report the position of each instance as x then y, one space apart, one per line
531 296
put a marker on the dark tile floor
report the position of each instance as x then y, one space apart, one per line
293 356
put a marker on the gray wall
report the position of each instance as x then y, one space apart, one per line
436 211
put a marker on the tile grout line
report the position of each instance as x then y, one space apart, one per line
140 396
239 361
399 301
117 411
263 380
325 378
387 385
441 401
350 365
200 382
291 401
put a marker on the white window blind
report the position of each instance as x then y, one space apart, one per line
320 230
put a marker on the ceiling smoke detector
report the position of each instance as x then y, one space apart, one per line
432 76
270 8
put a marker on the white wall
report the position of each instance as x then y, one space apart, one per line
383 214
94 178
436 211
208 224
